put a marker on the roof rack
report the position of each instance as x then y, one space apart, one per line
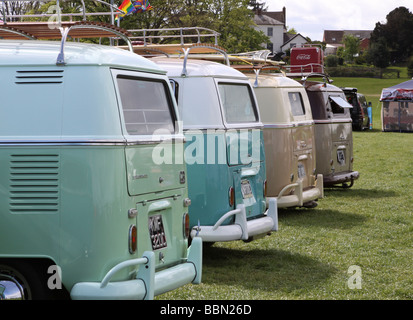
303 70
55 28
325 76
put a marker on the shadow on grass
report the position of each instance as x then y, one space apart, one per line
259 269
331 219
355 192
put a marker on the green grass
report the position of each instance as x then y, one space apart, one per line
369 225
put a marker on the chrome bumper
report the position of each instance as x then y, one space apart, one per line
147 283
242 229
300 197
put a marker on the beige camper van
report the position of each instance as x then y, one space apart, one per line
333 133
289 141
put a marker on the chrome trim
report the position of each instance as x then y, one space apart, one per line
289 125
86 142
335 120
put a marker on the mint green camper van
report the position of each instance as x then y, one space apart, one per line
84 210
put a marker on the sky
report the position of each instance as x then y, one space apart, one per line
311 17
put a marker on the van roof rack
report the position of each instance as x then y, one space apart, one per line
55 28
325 76
294 71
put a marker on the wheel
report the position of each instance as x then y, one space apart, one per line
25 277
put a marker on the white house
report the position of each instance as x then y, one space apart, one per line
273 24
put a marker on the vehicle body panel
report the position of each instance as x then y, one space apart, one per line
289 140
222 151
333 133
71 171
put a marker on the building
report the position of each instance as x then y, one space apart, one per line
273 24
334 39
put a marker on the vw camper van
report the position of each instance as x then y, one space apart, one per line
83 206
333 132
224 151
289 139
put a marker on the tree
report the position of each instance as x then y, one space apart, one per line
351 47
396 34
379 54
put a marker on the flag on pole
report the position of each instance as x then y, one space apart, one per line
137 6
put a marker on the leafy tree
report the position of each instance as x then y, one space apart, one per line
396 34
351 47
379 54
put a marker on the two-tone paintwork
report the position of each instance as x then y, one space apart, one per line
214 156
333 133
73 181
289 141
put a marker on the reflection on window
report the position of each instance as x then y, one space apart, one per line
297 105
237 103
146 106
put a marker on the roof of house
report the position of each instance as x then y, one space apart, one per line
336 36
271 17
264 19
289 37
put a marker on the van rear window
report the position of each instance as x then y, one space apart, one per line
297 105
238 103
146 105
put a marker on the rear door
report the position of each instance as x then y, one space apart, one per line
341 133
155 170
245 148
302 138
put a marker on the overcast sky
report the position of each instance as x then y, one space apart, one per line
311 17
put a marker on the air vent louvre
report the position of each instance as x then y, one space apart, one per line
39 77
34 183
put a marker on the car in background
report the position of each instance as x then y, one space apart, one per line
359 113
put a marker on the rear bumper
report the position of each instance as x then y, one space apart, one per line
341 177
300 197
147 283
242 229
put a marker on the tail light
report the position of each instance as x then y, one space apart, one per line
265 188
133 239
186 225
231 196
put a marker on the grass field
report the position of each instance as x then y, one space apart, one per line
369 226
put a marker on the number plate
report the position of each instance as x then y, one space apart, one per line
246 189
157 232
341 158
301 171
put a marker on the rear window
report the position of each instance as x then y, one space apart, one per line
317 103
297 105
146 105
238 103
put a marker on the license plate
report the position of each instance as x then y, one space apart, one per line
246 189
157 232
301 170
341 158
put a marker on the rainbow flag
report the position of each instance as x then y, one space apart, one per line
137 6
142 5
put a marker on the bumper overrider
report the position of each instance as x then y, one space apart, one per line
300 196
341 177
242 229
147 282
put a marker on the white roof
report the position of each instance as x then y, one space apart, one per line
36 52
197 68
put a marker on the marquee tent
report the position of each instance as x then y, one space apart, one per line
397 108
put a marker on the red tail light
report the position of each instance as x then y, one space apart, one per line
231 196
186 225
133 239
